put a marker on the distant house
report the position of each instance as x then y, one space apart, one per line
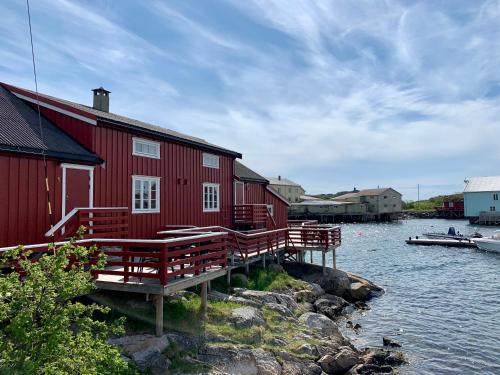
289 189
481 197
381 202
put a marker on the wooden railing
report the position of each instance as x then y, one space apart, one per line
99 222
160 260
315 236
251 214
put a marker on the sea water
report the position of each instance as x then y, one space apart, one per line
442 304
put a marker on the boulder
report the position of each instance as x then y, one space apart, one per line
152 359
244 301
138 343
229 360
324 325
276 267
294 367
390 342
214 295
262 297
265 362
334 281
304 296
247 316
339 363
283 311
330 305
316 289
307 349
360 291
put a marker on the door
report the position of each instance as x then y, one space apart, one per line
239 192
77 187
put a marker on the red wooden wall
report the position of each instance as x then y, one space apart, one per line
24 217
256 193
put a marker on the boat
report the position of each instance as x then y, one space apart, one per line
491 243
451 235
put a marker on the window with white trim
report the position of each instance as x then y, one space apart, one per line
146 148
210 160
211 197
145 194
270 209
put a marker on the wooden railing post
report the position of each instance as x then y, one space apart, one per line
163 264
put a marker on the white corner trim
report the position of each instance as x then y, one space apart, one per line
57 109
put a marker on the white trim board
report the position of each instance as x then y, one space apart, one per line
57 109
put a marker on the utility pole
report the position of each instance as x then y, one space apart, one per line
418 196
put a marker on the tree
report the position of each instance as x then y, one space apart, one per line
43 329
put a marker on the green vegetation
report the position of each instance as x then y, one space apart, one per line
43 328
431 203
269 280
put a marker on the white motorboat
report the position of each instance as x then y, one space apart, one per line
491 243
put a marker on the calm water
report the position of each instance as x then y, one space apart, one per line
441 304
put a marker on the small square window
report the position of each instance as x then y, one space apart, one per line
210 160
145 148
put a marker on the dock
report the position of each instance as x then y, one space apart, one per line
440 242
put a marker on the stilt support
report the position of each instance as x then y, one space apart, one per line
264 261
247 268
323 261
204 295
158 301
228 275
334 259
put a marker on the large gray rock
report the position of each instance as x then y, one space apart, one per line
283 311
266 362
150 358
247 316
138 343
244 301
360 292
214 295
339 363
292 366
267 297
229 360
324 325
334 281
330 305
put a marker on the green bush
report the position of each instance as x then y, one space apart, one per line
43 330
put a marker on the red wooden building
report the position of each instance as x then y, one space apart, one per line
99 160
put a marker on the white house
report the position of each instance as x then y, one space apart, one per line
481 195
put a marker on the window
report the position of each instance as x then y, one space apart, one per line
145 194
495 196
385 196
289 190
210 197
210 160
270 209
143 147
492 208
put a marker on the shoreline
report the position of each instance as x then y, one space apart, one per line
291 329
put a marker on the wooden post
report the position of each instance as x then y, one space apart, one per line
311 256
247 268
158 301
334 259
204 295
323 261
228 275
264 261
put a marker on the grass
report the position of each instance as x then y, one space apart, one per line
269 280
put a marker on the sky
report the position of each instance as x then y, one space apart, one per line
330 94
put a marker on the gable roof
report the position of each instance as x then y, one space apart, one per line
246 174
364 193
95 115
479 184
20 133
282 181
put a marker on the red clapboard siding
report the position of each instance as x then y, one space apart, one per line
24 218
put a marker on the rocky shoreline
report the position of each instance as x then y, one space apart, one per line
291 330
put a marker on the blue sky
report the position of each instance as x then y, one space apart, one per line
331 94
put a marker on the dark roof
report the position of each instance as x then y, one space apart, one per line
20 133
129 123
246 174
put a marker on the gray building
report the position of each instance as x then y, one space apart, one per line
289 189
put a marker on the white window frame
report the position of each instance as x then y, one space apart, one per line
211 160
270 209
146 210
136 140
216 187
